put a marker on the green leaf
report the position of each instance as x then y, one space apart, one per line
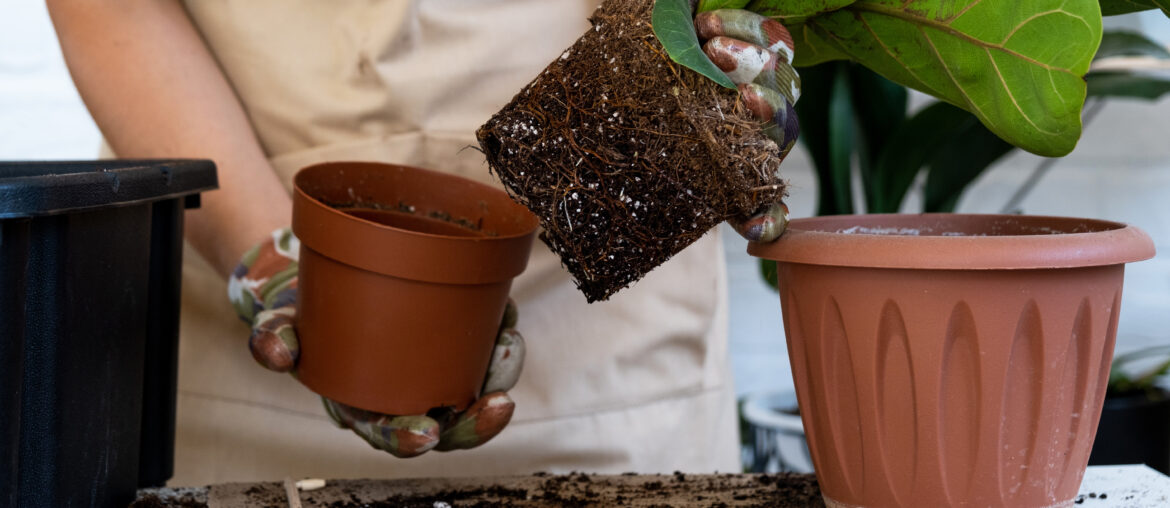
1121 381
768 272
826 129
1018 66
1127 85
879 107
971 150
711 5
1147 379
675 29
812 49
1122 43
788 11
910 148
841 142
1114 7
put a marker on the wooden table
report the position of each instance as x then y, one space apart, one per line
678 490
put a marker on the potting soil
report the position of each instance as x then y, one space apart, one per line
627 157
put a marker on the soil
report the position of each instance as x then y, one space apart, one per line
1080 499
156 501
627 157
580 490
573 490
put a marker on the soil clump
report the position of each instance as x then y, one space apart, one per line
626 156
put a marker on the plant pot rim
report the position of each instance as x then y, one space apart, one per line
365 244
946 241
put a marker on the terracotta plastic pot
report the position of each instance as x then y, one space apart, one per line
398 311
951 360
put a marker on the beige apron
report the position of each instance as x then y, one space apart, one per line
638 383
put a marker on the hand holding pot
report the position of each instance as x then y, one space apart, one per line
756 54
263 290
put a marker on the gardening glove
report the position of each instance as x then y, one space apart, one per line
263 290
756 53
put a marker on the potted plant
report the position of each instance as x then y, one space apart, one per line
856 125
880 443
1135 421
424 261
993 333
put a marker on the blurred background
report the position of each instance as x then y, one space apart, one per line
1120 171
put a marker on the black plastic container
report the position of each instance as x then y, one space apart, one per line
90 261
1134 429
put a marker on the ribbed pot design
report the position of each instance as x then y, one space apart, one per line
951 360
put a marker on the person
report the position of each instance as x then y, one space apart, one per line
265 87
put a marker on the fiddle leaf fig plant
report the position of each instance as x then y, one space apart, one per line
848 113
1017 66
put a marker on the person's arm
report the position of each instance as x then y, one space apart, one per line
155 91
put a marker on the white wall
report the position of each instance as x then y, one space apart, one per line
41 116
1120 171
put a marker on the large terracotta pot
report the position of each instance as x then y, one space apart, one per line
951 360
398 311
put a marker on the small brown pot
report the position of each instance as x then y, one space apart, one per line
402 318
951 360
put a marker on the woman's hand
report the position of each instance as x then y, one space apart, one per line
756 53
263 289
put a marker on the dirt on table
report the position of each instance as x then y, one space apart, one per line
162 498
573 490
627 157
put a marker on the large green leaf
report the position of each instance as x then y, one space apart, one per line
1122 43
711 5
675 29
1114 7
813 49
957 163
789 11
1016 65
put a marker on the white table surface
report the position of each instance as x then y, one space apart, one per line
1124 487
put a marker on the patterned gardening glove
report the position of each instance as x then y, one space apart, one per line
756 53
263 290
